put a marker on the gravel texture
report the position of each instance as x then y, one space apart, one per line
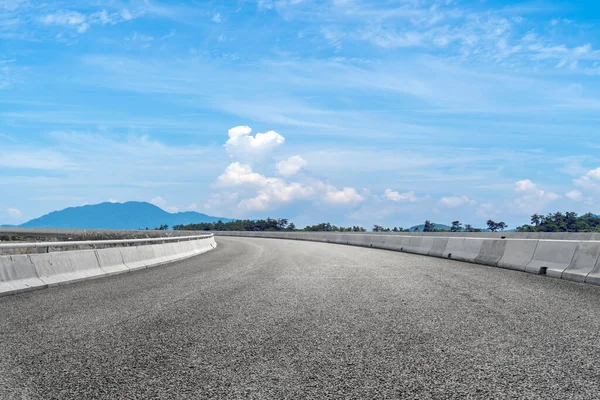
260 318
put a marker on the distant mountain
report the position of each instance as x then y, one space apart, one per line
437 226
130 215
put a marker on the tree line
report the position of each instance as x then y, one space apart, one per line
559 222
269 224
553 222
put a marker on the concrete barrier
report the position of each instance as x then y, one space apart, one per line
425 246
67 266
439 246
463 249
491 252
413 244
587 256
594 276
552 257
137 257
517 254
18 274
163 253
453 246
111 261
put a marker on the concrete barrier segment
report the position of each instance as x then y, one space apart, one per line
594 276
111 261
137 257
66 266
425 245
439 247
18 274
586 257
552 257
517 254
413 244
453 246
469 250
491 252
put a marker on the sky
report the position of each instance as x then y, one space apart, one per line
348 111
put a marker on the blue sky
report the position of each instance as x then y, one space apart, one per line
350 111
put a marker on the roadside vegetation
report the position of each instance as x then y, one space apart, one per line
553 222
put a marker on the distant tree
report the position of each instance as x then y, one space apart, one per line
456 226
395 229
428 226
536 219
494 226
468 228
377 228
291 227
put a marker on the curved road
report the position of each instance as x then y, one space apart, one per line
264 318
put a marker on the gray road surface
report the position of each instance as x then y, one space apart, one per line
260 318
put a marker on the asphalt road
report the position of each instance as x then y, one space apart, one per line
264 318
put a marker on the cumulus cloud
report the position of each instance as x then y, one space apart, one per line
531 198
276 192
528 188
525 186
400 197
240 174
575 195
254 191
217 18
270 191
291 166
162 203
242 145
347 195
591 180
455 201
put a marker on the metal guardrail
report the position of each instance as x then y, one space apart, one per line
46 245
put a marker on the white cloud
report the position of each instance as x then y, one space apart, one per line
126 15
291 166
159 202
574 195
14 213
82 22
217 18
240 174
63 18
525 186
347 196
241 144
276 192
270 191
528 189
591 180
192 207
455 201
162 203
531 198
400 197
